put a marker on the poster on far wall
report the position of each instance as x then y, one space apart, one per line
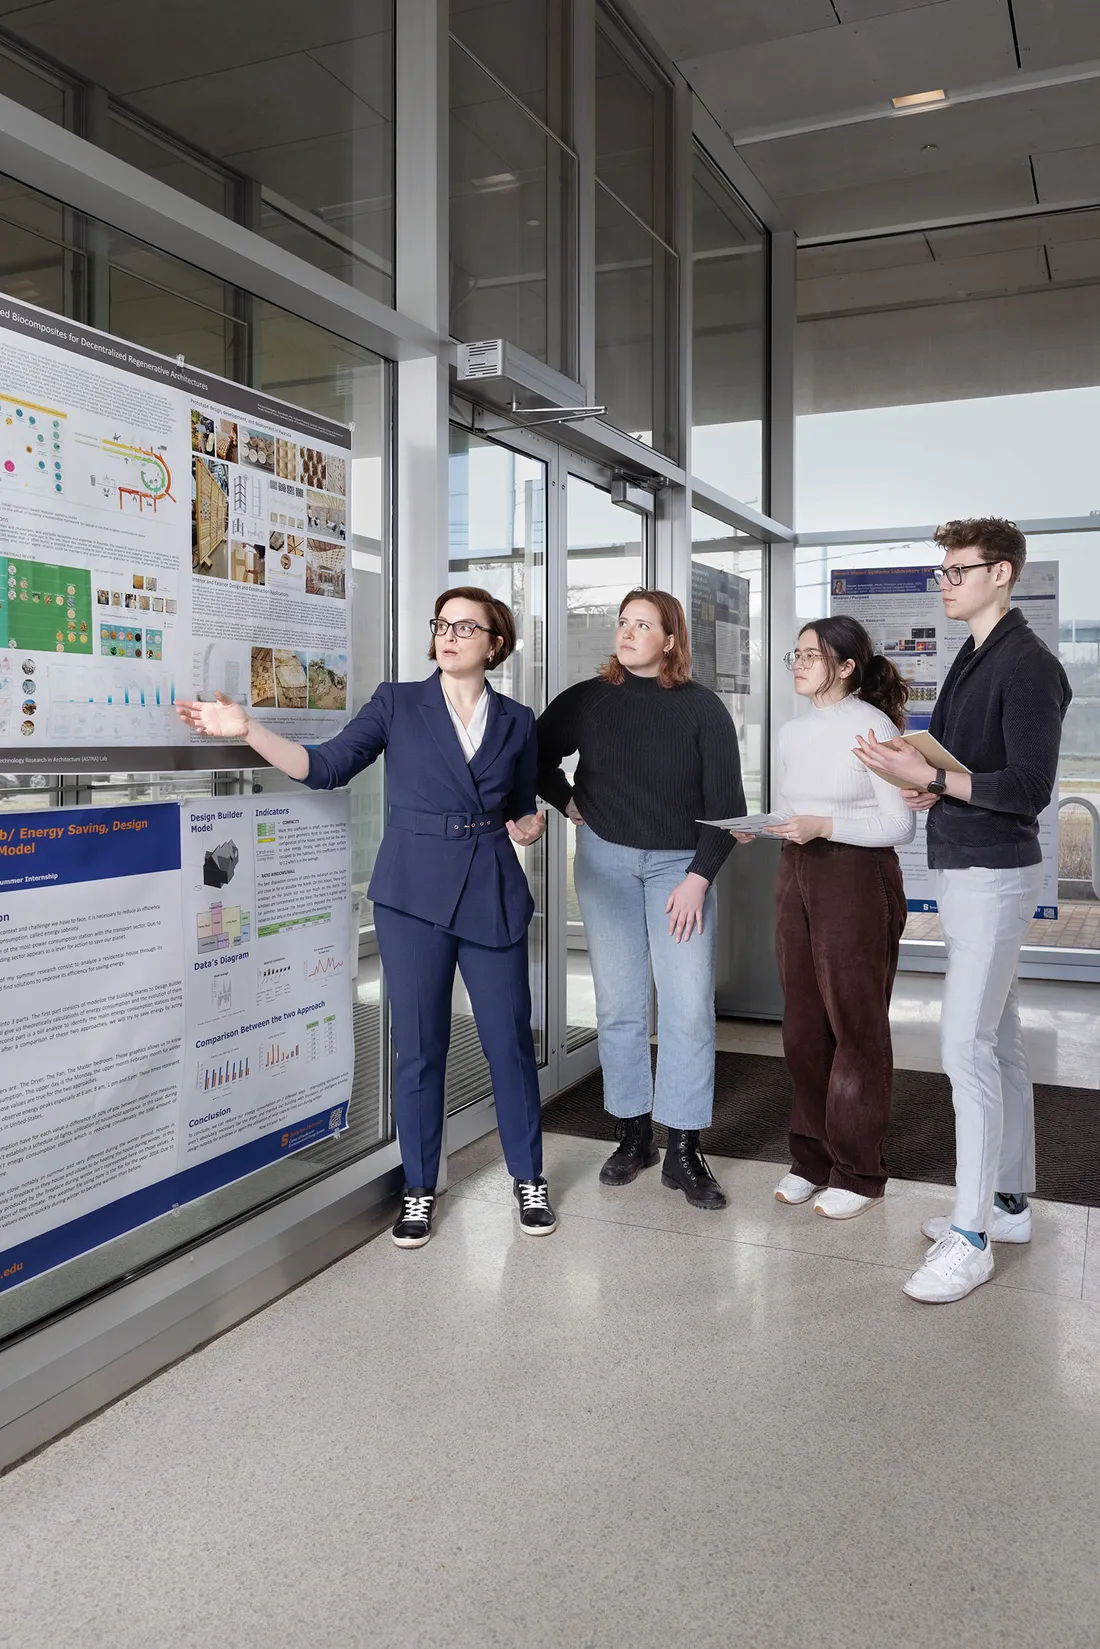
902 610
164 534
720 629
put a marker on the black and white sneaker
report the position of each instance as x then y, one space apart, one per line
536 1217
414 1223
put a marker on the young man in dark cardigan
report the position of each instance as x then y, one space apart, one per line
1000 714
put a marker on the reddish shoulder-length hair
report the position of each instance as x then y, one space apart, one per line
676 663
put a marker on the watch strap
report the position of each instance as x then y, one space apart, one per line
938 787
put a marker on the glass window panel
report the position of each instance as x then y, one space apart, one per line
33 86
606 558
950 374
729 343
633 130
1078 559
636 284
511 187
173 307
728 636
498 543
145 149
297 98
522 42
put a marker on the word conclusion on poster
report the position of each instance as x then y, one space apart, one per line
219 935
164 534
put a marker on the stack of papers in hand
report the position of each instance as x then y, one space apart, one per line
755 824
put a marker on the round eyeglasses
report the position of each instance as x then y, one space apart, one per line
808 658
464 628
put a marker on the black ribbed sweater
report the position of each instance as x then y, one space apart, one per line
653 760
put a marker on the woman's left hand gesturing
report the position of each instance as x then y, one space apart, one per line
685 907
526 831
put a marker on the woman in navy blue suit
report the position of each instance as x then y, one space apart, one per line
448 888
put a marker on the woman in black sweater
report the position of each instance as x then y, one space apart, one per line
658 752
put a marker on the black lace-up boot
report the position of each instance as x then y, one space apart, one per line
635 1151
413 1227
536 1217
685 1169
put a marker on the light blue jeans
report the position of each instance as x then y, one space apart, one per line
623 892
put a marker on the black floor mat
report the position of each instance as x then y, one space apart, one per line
752 1107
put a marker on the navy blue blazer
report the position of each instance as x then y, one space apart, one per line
466 879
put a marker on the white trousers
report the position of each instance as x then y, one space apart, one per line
984 915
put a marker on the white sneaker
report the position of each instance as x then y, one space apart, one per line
952 1269
1003 1227
793 1188
843 1205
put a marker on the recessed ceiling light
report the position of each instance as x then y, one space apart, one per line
914 98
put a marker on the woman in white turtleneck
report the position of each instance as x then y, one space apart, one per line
840 911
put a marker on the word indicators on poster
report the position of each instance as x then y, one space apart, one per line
144 1058
164 534
902 610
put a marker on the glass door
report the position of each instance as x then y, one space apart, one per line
605 556
498 539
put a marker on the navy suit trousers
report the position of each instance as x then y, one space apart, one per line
420 961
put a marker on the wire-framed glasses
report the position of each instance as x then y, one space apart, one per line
808 657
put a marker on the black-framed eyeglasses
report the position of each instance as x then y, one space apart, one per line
464 628
955 575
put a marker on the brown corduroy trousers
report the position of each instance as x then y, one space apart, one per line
839 916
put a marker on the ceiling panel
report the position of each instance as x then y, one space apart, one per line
970 240
698 27
912 200
1075 261
1056 32
924 283
861 256
855 11
1071 174
960 135
365 66
326 172
953 42
127 45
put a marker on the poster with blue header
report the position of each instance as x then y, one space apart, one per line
175 1009
902 609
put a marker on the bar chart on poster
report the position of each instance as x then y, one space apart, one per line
164 534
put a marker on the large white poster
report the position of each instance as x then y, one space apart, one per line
163 533
902 610
217 937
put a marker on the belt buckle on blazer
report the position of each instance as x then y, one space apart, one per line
459 823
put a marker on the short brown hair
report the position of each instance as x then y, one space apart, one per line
498 617
993 538
676 663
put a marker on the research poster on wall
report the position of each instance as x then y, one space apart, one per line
902 610
219 934
164 534
720 629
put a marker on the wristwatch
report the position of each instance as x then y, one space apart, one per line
938 787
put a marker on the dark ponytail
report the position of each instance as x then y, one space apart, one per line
873 678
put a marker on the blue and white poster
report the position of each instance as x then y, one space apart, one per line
902 610
175 1008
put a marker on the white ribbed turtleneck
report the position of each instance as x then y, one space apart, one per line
819 774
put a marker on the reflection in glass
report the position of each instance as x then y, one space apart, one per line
728 644
522 43
633 129
511 188
32 85
498 543
606 558
636 282
729 339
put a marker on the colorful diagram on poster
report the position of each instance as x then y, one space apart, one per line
128 475
31 447
222 927
45 607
